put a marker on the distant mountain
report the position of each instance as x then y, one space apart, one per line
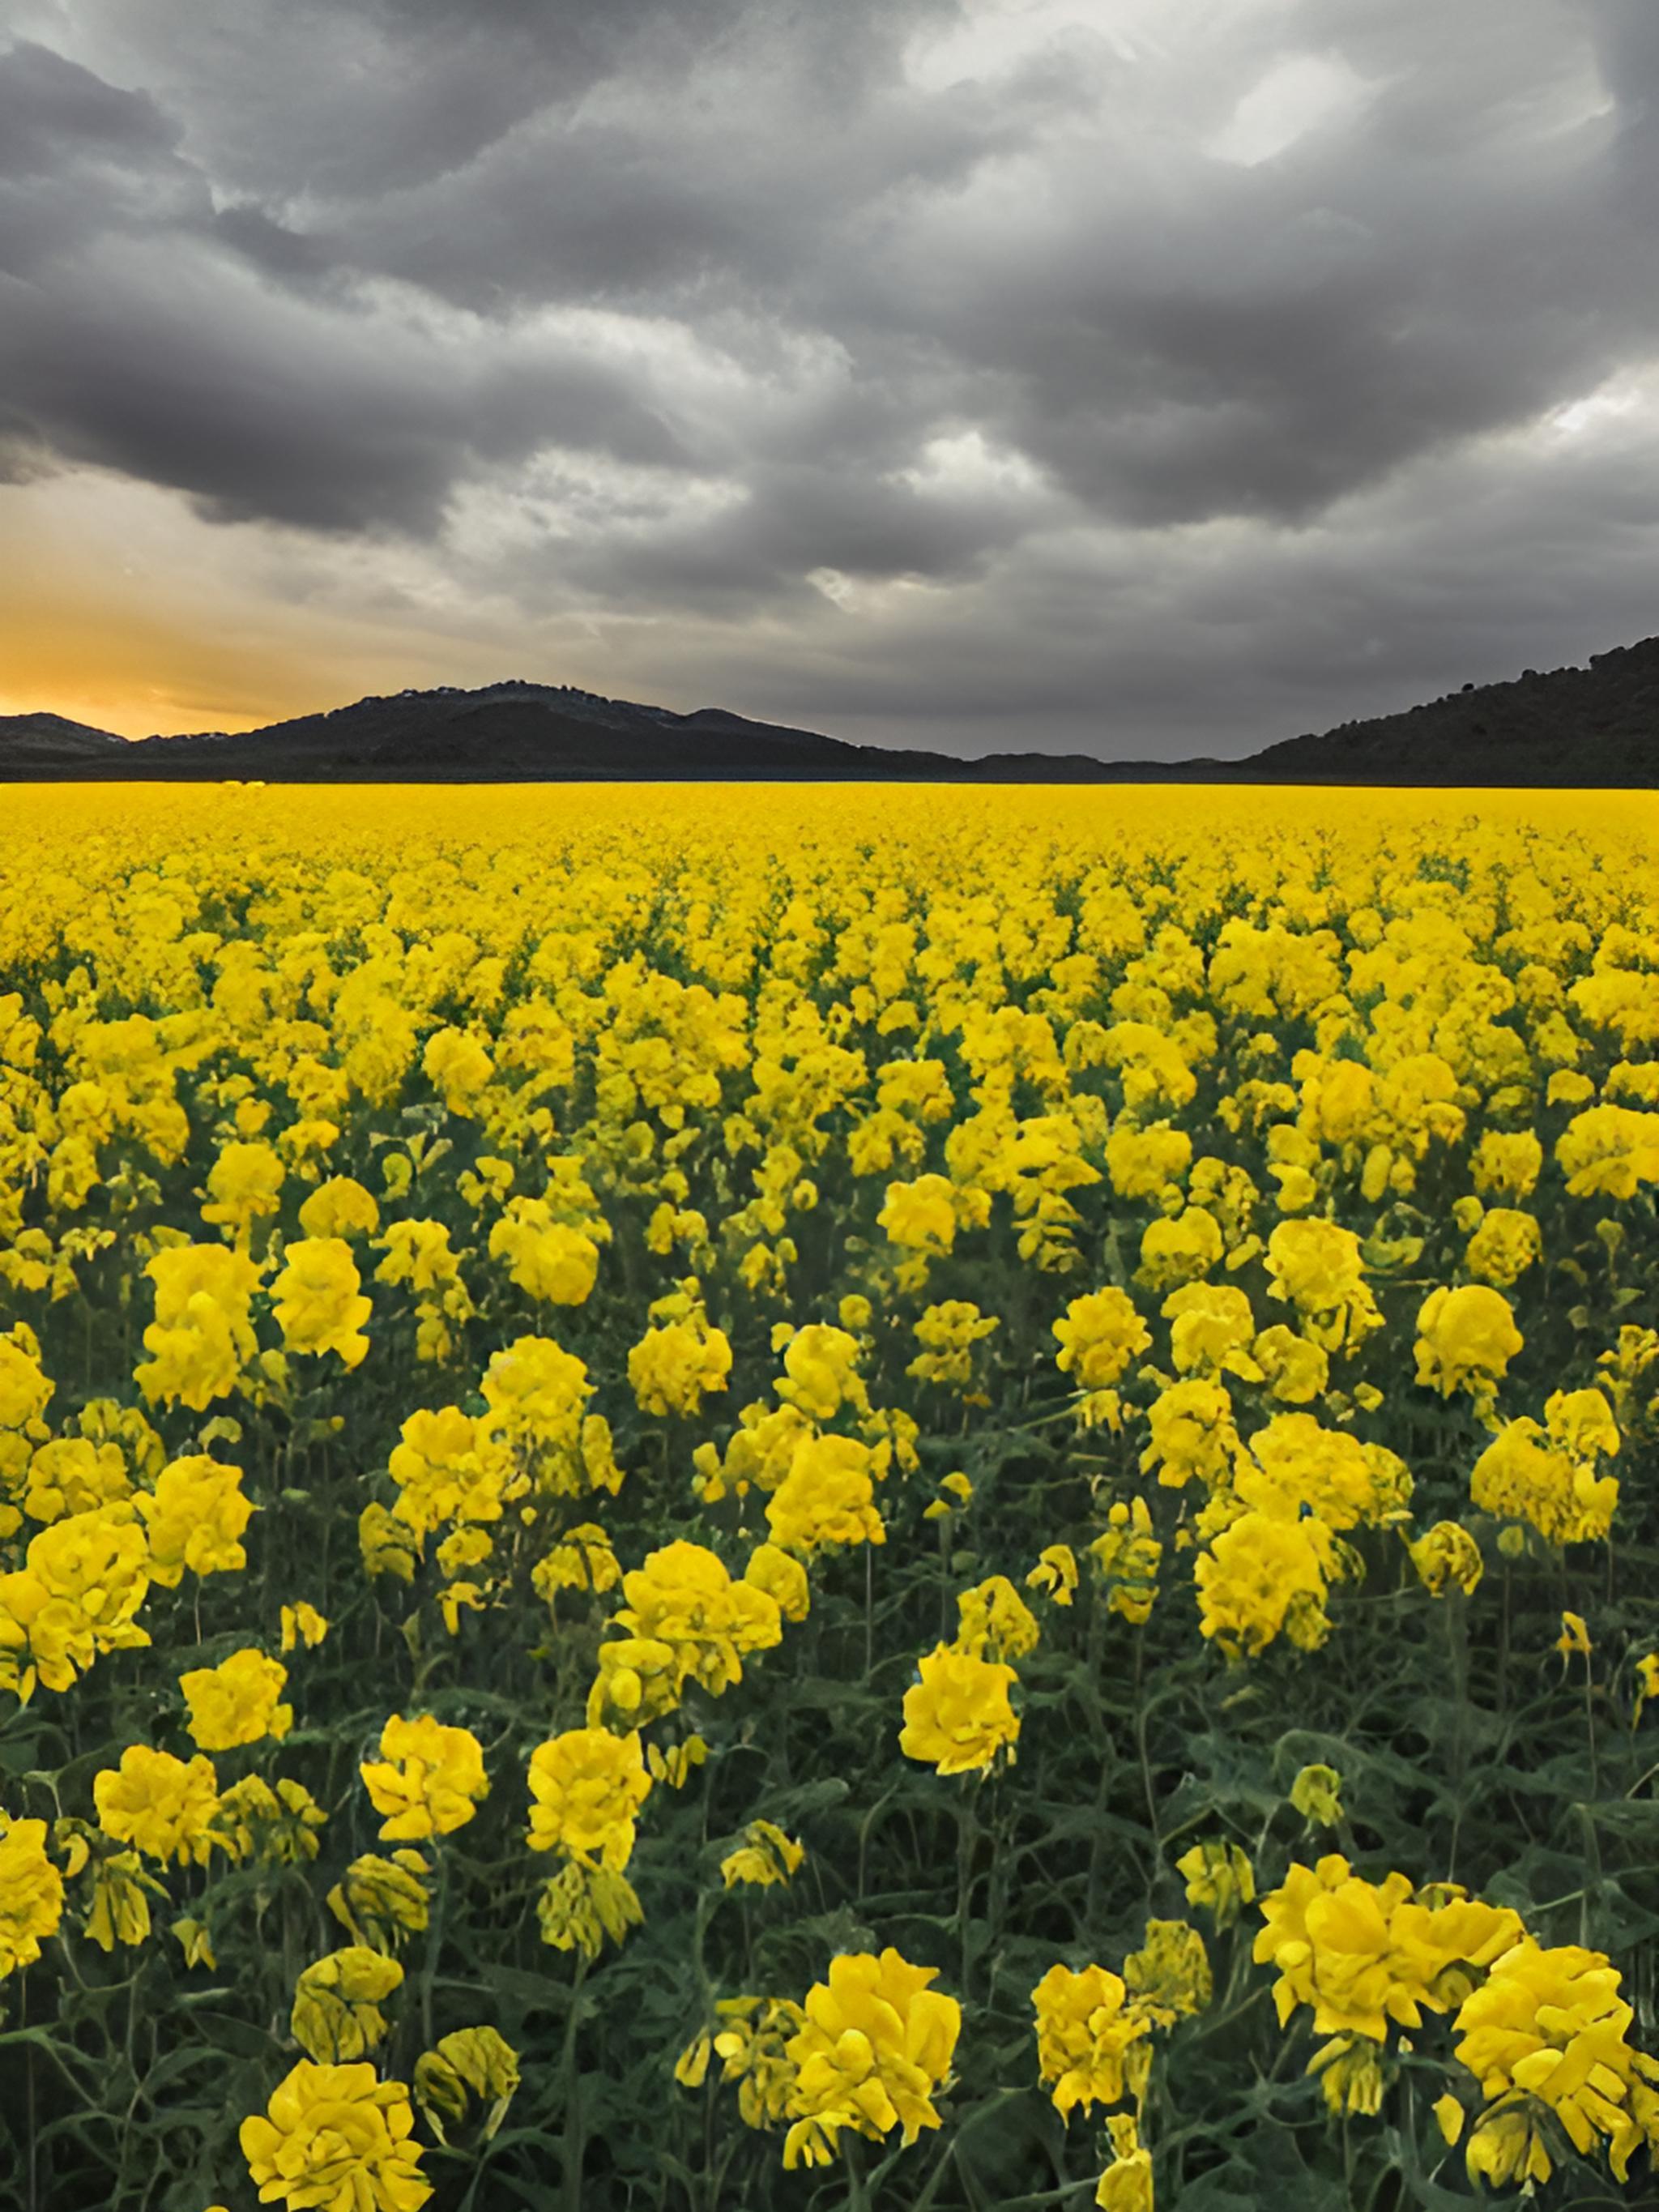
37 743
1591 727
1594 727
507 732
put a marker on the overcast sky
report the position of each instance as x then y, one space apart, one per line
1142 377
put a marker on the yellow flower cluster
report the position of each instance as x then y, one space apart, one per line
1363 1954
620 1223
873 2050
31 1893
334 2135
428 1780
1546 2033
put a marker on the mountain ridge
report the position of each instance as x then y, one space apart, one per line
1591 727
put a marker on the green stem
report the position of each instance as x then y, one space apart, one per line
1592 1889
1457 1639
1141 1746
572 2187
858 2196
967 1836
433 1945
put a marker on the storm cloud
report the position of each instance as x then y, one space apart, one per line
1137 376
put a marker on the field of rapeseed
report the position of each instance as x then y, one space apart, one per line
717 1499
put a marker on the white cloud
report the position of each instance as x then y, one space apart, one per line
966 462
1301 92
1612 403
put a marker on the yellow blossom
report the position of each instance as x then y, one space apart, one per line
1314 1794
1466 1338
1056 1573
875 2050
1127 1556
1261 1577
468 2062
957 1714
120 1907
236 1702
201 1338
584 1903
994 1622
334 2136
782 1578
766 1856
31 1893
245 1185
1099 1334
1092 2046
195 1516
340 1207
585 1787
1574 1636
428 1780
1219 1877
1169 1978
337 2003
382 1901
1316 1266
1127 2183
165 1806
1447 1554
301 1623
828 1497
319 1305
1551 2025
672 1368
273 1825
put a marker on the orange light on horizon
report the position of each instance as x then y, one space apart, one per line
136 666
123 613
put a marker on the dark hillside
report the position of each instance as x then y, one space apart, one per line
1586 727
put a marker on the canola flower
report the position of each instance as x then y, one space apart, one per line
1363 1955
427 1779
874 2050
237 1701
317 1304
766 1856
31 1893
120 1909
302 1625
587 1787
685 1598
166 1808
752 2038
195 1520
383 1901
334 2135
467 2064
77 1593
1219 1878
1093 2046
957 1715
202 1337
337 2003
1546 2033
270 1823
646 1261
1127 2183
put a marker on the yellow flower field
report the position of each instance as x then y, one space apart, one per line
921 1499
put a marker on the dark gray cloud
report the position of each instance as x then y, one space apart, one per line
935 369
